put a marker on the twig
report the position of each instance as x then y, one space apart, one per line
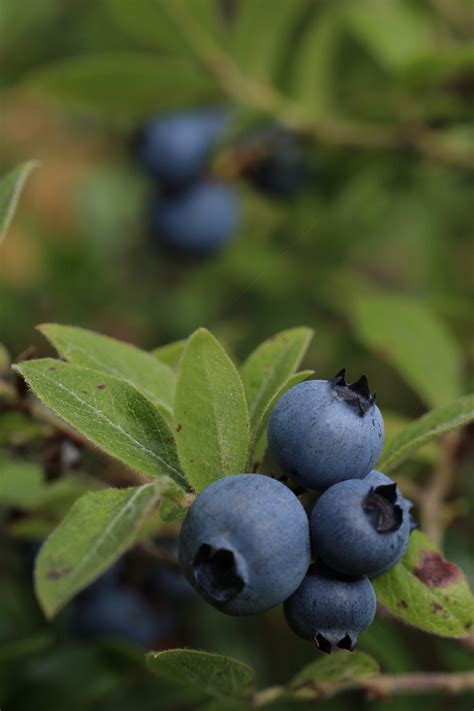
380 686
269 100
432 503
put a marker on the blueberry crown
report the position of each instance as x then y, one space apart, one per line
382 503
356 394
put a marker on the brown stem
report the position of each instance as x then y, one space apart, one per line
380 686
269 100
432 503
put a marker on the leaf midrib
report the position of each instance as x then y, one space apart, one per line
104 534
114 426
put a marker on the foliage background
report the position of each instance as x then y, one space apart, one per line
375 256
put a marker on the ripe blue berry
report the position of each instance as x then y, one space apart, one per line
331 609
377 478
199 220
175 147
106 610
358 528
325 431
244 544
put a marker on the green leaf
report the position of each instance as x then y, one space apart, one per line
17 650
267 370
145 21
108 411
211 674
440 65
314 72
22 485
11 186
17 429
171 353
256 444
100 82
257 41
340 666
174 504
212 425
122 360
204 14
427 591
409 335
417 433
396 32
98 529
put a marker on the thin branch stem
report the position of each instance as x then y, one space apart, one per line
380 686
269 100
432 503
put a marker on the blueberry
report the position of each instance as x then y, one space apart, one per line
244 544
282 171
331 609
175 147
122 613
199 220
360 528
377 478
325 431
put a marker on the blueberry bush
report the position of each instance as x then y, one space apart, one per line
224 517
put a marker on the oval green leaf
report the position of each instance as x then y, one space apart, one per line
212 425
92 350
100 82
109 412
269 367
433 424
212 674
410 336
99 527
11 186
428 591
340 666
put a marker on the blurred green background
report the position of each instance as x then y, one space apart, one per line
375 255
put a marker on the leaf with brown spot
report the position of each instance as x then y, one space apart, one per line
99 527
436 572
422 581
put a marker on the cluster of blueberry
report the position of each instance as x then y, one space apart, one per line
197 213
132 603
247 541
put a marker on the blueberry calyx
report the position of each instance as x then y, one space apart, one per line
326 646
356 394
217 574
381 501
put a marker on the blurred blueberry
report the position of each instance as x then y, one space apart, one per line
283 169
166 581
199 220
176 146
122 613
